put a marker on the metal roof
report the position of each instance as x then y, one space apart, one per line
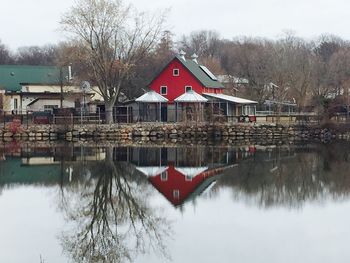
152 170
230 98
12 76
191 171
150 97
196 70
191 96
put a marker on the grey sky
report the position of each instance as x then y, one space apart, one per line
35 22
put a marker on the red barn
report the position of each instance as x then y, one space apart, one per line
182 75
186 87
180 184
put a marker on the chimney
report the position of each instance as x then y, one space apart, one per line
194 58
182 55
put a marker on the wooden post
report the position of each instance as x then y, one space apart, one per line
160 112
175 111
227 111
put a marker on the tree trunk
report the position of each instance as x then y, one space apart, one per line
109 113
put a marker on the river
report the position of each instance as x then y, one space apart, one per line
86 202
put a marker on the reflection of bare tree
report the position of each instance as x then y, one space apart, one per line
112 221
292 176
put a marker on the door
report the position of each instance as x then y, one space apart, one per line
164 113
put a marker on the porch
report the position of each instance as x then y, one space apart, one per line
193 107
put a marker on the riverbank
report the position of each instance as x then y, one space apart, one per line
176 132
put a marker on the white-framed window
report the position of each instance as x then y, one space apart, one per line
163 90
15 104
164 176
188 178
188 88
176 72
176 194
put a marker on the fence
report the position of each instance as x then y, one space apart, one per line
73 117
24 118
65 116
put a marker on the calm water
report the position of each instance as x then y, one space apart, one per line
69 203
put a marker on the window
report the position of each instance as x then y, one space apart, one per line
15 104
164 176
163 90
188 178
176 194
188 88
176 72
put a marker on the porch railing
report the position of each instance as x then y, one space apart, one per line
78 117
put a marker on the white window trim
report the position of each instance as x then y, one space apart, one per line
188 87
15 103
176 194
188 178
178 72
164 176
166 90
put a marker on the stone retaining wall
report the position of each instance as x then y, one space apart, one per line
156 131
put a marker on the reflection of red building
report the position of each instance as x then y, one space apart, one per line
179 184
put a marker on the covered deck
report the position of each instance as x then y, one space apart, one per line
231 108
194 107
190 107
152 107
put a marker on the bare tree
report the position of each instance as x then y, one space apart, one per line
204 43
291 69
250 59
35 55
112 220
112 38
5 55
151 64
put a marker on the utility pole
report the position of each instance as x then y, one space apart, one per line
61 87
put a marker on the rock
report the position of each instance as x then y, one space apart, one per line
145 133
173 136
8 134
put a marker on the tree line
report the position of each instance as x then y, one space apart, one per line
310 73
31 55
122 55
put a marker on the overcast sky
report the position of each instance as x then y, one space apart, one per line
36 22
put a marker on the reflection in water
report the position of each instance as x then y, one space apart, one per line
181 174
112 220
105 193
282 175
290 177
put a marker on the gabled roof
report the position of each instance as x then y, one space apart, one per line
196 70
191 171
152 170
12 76
191 96
150 97
199 73
230 98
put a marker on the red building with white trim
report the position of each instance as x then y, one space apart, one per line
181 75
188 89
